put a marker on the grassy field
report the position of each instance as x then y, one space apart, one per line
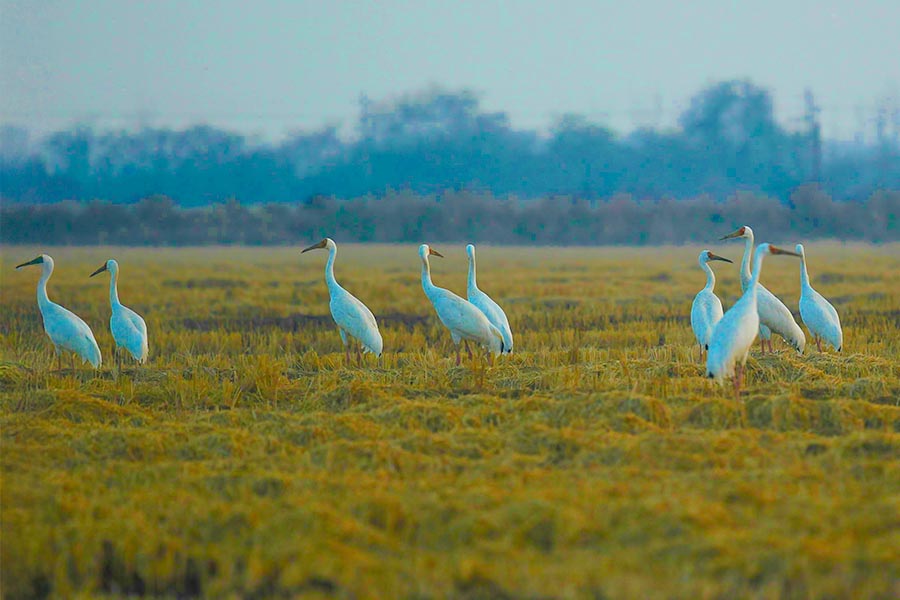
596 462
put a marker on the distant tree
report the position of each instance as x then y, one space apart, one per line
14 145
734 126
309 153
585 156
69 156
437 140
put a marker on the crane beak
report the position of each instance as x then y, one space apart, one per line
733 234
315 246
777 250
98 271
36 261
434 252
717 257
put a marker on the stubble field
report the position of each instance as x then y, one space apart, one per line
247 461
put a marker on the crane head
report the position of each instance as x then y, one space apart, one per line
322 244
35 261
109 265
425 250
770 249
743 231
710 256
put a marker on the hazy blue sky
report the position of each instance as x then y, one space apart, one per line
270 66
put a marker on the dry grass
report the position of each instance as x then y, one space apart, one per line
246 461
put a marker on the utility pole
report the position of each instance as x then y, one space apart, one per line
860 136
881 124
885 120
895 124
814 133
657 111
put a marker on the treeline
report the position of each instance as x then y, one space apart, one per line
726 141
405 217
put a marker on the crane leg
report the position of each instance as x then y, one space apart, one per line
738 376
819 343
59 361
762 345
771 347
72 362
358 357
468 350
457 355
490 359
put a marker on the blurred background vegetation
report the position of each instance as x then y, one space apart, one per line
455 216
435 165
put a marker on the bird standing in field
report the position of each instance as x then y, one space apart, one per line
706 309
485 304
464 320
127 327
773 314
353 318
65 329
817 313
733 336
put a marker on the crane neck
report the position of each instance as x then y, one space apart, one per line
114 287
329 269
804 274
427 285
754 280
472 283
42 298
710 276
750 292
746 275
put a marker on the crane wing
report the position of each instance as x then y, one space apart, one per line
355 318
494 314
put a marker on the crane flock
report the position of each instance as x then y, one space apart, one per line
725 336
732 337
774 316
464 320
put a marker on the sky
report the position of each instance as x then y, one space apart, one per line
268 67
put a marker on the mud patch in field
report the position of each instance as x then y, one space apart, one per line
293 323
206 283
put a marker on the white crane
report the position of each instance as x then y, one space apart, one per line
353 318
127 327
706 310
817 313
461 317
773 314
733 336
66 330
487 305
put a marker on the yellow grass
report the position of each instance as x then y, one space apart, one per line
247 462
